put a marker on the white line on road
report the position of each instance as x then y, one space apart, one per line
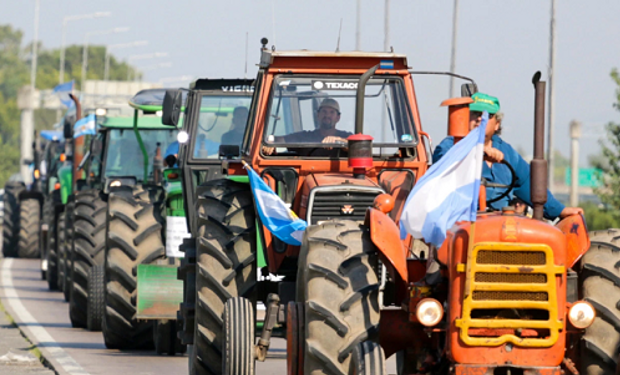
45 340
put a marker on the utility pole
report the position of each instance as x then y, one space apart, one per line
551 79
27 115
455 19
386 27
575 134
358 26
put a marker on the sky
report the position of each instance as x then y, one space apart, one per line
500 44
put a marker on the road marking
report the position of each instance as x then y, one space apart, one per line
42 337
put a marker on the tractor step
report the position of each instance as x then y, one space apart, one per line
159 292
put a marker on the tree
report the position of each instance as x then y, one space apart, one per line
609 163
15 73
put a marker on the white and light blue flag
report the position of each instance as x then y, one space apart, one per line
274 213
448 192
63 90
84 126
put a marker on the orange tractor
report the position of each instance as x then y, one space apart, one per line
337 137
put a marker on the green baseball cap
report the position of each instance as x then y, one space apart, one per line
483 102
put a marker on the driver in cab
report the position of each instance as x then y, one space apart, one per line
496 150
328 116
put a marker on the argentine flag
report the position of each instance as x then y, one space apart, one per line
274 213
85 126
63 90
448 192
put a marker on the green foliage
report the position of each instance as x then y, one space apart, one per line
15 63
598 217
609 163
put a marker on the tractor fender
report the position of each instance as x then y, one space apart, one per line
31 195
384 234
577 239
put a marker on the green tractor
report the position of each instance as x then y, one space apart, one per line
22 211
215 118
220 109
124 158
131 179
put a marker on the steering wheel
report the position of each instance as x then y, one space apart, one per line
508 188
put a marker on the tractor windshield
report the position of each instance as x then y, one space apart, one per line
316 114
222 121
123 156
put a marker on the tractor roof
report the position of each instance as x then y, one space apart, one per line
149 100
305 59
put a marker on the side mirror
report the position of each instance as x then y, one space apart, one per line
468 89
229 151
173 100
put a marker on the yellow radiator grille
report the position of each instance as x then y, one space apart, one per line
526 258
509 296
530 278
510 277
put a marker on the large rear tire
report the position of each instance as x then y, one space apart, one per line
226 265
600 282
29 228
10 220
88 248
340 287
134 236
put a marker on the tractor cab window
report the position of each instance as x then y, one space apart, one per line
124 157
221 121
314 116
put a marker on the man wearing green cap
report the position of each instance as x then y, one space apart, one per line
496 150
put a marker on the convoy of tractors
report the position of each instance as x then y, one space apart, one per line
150 226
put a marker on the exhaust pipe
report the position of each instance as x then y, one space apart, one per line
359 99
538 166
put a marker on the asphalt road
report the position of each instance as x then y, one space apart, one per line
43 316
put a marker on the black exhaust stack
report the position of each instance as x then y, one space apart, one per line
538 166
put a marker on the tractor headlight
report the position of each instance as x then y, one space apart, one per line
429 312
581 314
115 183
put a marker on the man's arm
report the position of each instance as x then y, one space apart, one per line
442 148
553 208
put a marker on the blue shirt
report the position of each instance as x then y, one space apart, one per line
499 173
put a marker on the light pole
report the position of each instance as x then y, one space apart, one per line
85 48
144 56
27 115
65 20
455 19
575 134
106 71
550 120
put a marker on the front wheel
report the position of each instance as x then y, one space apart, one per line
368 359
238 355
340 289
29 226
